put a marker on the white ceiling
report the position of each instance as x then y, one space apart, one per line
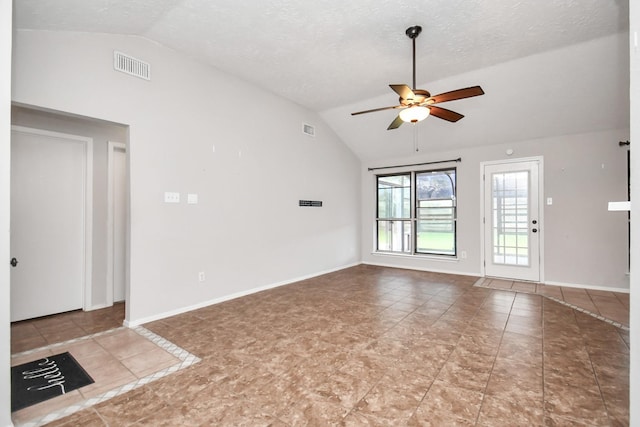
330 54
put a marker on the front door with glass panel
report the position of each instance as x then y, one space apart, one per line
511 220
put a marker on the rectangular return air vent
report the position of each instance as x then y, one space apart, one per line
130 65
311 203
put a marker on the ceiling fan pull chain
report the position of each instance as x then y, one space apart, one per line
415 137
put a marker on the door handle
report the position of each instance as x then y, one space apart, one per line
13 262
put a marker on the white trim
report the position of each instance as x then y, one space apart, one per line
427 257
111 147
482 278
88 203
541 205
6 32
413 171
589 287
97 307
138 322
429 270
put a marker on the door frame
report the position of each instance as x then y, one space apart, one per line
542 224
111 147
87 214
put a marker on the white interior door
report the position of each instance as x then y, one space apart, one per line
48 179
512 220
119 211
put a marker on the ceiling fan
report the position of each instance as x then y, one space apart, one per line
418 104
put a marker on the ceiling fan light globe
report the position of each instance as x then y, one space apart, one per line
414 114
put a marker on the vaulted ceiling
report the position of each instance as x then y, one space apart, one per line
334 57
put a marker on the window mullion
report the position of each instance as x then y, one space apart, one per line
414 213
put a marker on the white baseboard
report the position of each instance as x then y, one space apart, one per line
552 283
97 307
138 322
432 270
589 287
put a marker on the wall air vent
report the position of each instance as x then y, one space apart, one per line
308 129
311 203
130 65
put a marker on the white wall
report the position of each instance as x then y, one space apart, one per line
634 52
247 231
584 244
101 133
575 89
5 156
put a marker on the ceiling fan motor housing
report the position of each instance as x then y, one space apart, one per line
419 97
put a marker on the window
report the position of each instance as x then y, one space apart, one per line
394 213
416 213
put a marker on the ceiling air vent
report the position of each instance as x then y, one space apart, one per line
308 129
130 65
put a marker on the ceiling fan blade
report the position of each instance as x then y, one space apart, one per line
404 91
443 113
377 109
396 123
456 94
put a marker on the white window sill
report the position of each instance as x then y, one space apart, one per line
441 258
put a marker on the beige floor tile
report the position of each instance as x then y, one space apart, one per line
149 362
365 346
524 287
125 343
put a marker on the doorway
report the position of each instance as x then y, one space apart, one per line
51 222
512 219
116 221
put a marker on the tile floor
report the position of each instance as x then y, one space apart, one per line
117 359
380 346
30 334
612 306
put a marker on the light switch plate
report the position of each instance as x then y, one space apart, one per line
192 199
170 197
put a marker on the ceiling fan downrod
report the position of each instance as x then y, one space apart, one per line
413 33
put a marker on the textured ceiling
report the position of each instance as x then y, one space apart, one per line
326 53
335 57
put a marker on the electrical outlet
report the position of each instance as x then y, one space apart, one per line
201 276
463 254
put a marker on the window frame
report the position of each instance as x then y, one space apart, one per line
413 218
393 219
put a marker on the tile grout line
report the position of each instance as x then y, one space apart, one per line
493 364
595 374
588 312
186 359
441 367
480 283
